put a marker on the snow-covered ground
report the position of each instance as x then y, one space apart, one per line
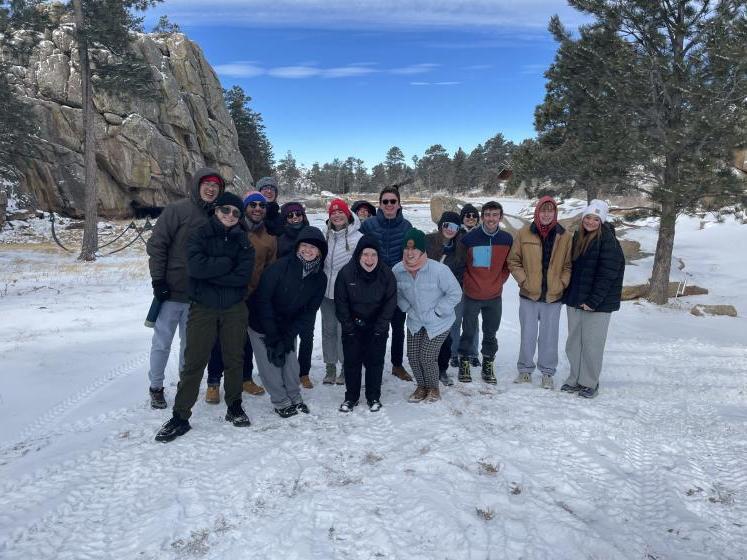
653 468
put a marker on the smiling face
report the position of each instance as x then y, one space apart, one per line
256 211
490 219
411 254
228 215
338 219
449 230
268 193
591 222
307 251
363 213
546 214
209 191
389 204
369 259
295 217
470 220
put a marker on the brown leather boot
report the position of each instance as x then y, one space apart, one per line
401 373
212 396
419 395
253 389
306 382
433 395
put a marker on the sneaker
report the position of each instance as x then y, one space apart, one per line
523 377
287 412
464 373
172 429
157 399
212 395
374 406
474 361
454 362
419 395
588 392
253 389
306 382
331 375
340 379
547 382
348 406
433 395
236 416
488 370
445 379
301 407
568 388
401 373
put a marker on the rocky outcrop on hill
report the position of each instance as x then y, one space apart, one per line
145 149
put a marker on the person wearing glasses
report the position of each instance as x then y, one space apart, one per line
469 217
265 252
445 247
389 228
363 209
167 261
220 260
293 220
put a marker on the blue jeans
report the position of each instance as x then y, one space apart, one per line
455 332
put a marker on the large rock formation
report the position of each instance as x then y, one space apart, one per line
145 150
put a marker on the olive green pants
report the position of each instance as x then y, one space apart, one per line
204 325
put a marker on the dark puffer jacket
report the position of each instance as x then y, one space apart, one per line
454 256
273 221
285 303
288 238
597 275
389 233
167 246
220 264
368 296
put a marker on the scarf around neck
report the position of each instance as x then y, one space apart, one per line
309 267
417 265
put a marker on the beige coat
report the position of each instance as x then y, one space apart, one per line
525 263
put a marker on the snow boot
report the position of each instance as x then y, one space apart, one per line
374 406
306 382
523 377
474 361
488 370
340 379
301 407
212 395
568 388
252 388
331 375
157 400
236 415
348 406
464 373
401 373
444 378
433 395
588 392
454 362
547 382
172 429
419 395
287 412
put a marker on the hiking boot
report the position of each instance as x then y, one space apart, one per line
454 362
588 392
172 429
444 378
419 395
374 406
523 377
464 373
547 382
301 407
401 373
306 382
252 388
331 375
212 395
433 395
287 412
568 388
488 370
236 415
340 379
157 399
474 361
348 406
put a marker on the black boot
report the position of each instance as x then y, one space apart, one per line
172 429
488 370
236 415
157 399
287 412
464 373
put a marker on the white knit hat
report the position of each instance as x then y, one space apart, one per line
597 207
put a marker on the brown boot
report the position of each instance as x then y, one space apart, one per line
419 395
306 382
253 389
401 373
433 395
212 396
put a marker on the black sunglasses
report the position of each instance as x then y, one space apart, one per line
388 201
295 214
471 215
229 210
257 204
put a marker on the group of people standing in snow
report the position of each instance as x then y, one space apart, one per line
245 278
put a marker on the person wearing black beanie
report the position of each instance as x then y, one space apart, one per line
469 217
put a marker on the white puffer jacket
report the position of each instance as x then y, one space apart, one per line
340 247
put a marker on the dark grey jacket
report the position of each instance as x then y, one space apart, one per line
167 246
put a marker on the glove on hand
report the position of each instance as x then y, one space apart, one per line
161 290
288 344
276 355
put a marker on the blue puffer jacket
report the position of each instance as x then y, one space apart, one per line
389 233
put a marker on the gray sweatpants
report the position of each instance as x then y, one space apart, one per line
281 383
172 314
540 323
587 334
331 333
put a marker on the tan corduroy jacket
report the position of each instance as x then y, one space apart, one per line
525 263
265 253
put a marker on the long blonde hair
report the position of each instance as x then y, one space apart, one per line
584 239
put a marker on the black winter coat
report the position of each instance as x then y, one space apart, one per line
389 233
285 303
368 296
597 275
220 263
273 220
456 254
288 238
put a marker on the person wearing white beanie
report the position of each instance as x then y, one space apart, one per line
597 207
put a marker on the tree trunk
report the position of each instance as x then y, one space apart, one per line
659 291
90 226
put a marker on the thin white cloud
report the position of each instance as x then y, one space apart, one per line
241 69
478 67
421 84
352 71
415 69
294 72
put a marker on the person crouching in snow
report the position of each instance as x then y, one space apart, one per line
428 292
365 298
283 307
220 260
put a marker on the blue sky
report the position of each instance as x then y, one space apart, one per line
339 78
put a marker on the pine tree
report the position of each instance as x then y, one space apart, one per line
253 143
434 169
288 173
396 169
460 173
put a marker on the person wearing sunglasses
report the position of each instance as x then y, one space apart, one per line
220 260
445 247
167 261
265 251
469 217
389 227
293 218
